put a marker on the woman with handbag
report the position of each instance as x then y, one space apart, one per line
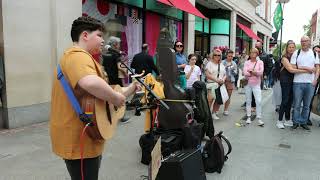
215 73
253 70
231 72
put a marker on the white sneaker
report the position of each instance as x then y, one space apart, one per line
280 124
215 117
260 122
288 123
226 113
248 121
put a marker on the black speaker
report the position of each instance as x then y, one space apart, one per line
183 165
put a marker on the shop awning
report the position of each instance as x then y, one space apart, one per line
183 5
248 31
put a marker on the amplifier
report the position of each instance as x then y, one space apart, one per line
183 165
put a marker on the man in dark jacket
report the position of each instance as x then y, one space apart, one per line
111 63
111 60
267 62
143 61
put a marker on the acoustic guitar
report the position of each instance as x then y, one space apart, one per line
105 116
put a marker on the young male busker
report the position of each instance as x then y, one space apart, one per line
86 78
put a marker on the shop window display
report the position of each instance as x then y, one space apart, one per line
121 21
154 24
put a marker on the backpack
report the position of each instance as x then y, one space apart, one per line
276 70
267 62
213 155
192 134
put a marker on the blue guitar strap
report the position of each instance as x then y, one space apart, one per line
72 98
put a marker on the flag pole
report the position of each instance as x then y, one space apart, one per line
282 7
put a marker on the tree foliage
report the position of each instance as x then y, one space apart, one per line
275 52
307 29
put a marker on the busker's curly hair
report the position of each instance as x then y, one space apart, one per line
85 24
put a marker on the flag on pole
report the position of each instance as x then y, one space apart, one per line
277 18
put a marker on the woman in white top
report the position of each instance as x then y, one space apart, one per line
215 73
192 71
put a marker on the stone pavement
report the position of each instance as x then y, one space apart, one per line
25 153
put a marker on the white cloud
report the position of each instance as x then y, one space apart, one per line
296 14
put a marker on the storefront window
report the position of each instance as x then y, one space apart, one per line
155 23
243 42
161 8
198 24
121 21
206 26
201 25
219 41
137 3
220 26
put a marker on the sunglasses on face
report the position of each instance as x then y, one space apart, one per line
216 55
179 45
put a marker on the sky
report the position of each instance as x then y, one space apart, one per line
296 14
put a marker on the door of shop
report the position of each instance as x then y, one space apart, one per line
201 43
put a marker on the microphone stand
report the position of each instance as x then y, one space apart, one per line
147 87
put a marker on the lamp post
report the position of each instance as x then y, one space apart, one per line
281 2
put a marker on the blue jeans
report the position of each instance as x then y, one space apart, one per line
286 101
302 93
270 80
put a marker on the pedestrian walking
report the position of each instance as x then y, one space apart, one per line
236 59
144 62
267 63
270 76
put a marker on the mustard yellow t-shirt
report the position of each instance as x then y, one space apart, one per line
65 126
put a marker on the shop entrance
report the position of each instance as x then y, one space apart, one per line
201 43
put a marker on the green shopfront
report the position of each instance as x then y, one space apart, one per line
212 33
